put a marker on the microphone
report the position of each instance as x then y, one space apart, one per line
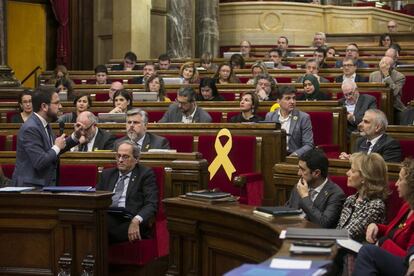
61 128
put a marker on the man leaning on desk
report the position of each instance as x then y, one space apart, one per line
38 149
319 198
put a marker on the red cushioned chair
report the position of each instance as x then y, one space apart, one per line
144 251
229 96
244 79
181 143
101 97
407 148
408 90
243 158
172 95
14 142
8 170
323 137
215 116
78 175
283 80
9 115
154 115
2 142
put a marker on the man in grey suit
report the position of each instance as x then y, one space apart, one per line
297 124
394 80
407 117
136 128
374 139
356 104
38 149
185 110
94 137
135 192
319 198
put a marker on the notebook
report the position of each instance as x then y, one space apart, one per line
279 210
112 117
69 189
145 96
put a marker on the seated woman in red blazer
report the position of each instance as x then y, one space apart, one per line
395 251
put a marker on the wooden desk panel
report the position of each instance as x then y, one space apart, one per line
42 233
213 239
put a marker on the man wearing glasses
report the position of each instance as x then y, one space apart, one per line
392 26
38 149
349 68
185 109
356 104
135 192
94 138
352 51
129 63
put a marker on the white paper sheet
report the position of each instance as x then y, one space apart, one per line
290 264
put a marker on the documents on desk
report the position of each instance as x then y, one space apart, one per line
16 189
210 196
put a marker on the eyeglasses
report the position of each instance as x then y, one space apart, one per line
348 65
181 103
351 50
122 157
56 102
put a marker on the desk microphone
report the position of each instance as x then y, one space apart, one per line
61 128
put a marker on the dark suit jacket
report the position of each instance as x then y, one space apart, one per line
360 64
326 208
151 141
142 193
104 140
386 146
364 103
120 67
174 115
407 117
358 78
300 131
36 161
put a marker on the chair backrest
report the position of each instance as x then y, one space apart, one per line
323 123
408 90
8 170
242 156
2 142
407 148
78 175
341 181
181 143
155 115
10 114
215 116
283 80
102 97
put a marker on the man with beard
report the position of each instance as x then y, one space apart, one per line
95 138
136 128
374 139
38 149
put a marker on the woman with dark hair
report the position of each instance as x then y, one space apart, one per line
249 104
25 107
394 242
311 89
208 91
385 40
64 85
122 101
225 74
82 103
155 83
237 61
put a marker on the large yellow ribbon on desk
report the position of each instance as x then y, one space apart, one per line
222 158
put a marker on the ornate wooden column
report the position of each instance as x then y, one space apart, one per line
7 78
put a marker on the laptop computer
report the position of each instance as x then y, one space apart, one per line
145 96
172 80
229 54
112 117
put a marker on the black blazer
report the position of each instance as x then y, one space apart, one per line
364 103
325 210
386 146
142 192
104 140
151 141
358 78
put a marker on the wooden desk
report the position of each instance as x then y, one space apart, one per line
213 239
42 233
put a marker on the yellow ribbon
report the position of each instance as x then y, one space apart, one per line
222 158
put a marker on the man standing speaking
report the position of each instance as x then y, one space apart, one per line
38 149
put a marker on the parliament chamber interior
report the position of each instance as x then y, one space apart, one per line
220 137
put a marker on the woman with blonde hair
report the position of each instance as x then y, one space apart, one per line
189 73
368 175
257 68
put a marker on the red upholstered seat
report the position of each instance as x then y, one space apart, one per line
10 114
181 143
8 170
215 116
242 156
155 115
2 142
244 79
144 251
322 126
407 148
341 181
172 95
14 142
229 96
78 175
283 80
408 90
102 97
